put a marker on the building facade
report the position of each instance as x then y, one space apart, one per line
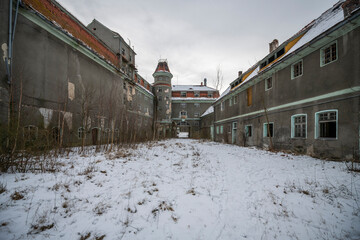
304 96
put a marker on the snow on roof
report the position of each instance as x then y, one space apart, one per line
192 88
208 111
327 20
224 93
193 98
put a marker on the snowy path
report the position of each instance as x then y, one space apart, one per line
184 189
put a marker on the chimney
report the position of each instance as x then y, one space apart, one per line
349 6
273 45
205 82
239 73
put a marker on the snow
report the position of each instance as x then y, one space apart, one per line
323 23
194 98
183 189
208 111
224 93
183 134
192 88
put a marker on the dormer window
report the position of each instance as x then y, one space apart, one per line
280 52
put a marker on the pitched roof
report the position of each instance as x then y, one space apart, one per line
327 20
208 111
191 88
162 66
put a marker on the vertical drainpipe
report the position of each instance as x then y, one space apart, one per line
8 61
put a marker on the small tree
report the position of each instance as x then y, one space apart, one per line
218 81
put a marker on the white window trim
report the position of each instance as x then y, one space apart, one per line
246 132
293 125
230 101
292 69
265 129
221 129
317 127
234 123
322 64
217 130
266 84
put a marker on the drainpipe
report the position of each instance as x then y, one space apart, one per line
8 61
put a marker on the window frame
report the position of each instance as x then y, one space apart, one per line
83 132
322 53
317 125
293 68
267 88
196 94
293 125
222 106
265 130
182 94
217 130
221 129
247 132
196 115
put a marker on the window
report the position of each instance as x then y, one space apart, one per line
196 94
248 131
160 98
271 59
234 125
196 123
197 104
297 69
81 133
235 99
196 114
183 94
159 89
230 102
56 134
328 54
249 96
268 131
298 126
183 114
222 104
326 124
124 86
268 83
217 129
210 94
30 133
280 52
183 105
221 129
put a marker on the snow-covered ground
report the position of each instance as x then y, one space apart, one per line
183 189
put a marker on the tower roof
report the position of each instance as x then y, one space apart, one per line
162 66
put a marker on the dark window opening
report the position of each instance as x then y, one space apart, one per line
271 59
280 52
300 126
327 124
269 129
248 131
262 65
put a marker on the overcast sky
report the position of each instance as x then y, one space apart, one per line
197 36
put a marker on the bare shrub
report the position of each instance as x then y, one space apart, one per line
2 188
16 196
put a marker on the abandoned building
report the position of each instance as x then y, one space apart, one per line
304 96
71 83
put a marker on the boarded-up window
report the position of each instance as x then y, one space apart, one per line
249 96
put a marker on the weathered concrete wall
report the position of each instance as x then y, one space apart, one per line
62 87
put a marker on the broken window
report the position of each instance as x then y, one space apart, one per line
271 59
30 133
81 133
268 83
280 52
248 131
183 114
326 124
328 54
268 129
263 64
297 69
298 126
